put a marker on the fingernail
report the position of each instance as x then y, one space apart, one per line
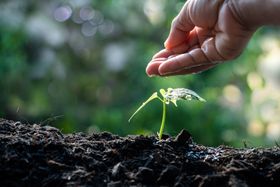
152 75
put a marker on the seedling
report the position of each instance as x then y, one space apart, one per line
169 96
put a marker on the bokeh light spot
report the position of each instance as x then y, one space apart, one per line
273 131
254 81
255 128
62 13
88 29
86 13
97 19
232 95
153 9
106 28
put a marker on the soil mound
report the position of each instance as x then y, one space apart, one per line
35 155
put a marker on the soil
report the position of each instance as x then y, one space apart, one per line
35 155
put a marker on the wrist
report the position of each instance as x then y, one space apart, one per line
256 13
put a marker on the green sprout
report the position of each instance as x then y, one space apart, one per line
169 96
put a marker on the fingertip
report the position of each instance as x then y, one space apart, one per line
162 69
150 72
152 68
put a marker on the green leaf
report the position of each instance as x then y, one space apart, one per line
173 95
153 96
163 92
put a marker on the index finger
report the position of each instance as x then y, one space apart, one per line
180 28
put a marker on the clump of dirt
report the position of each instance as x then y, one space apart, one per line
35 155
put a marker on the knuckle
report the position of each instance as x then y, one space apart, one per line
180 63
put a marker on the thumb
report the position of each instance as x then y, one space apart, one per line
180 28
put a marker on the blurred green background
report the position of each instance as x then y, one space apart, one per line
80 65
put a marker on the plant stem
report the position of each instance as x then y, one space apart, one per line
163 119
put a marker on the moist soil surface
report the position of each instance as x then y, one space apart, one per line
35 155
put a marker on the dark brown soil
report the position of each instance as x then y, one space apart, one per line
34 155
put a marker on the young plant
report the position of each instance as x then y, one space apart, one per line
169 96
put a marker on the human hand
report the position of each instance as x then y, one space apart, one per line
204 34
